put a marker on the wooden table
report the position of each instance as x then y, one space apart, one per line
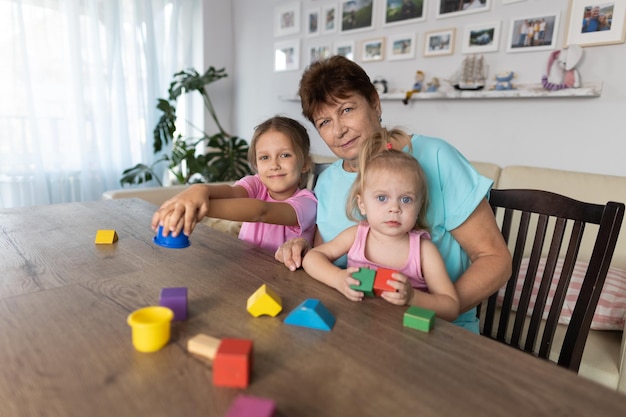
65 347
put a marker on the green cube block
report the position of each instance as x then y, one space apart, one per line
419 318
366 276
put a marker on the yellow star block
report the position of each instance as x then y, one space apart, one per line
264 301
106 237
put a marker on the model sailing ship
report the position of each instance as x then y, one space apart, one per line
472 75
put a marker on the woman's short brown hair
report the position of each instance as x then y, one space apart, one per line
327 80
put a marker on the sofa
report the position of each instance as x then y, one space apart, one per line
604 358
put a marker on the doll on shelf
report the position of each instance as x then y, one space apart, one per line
417 86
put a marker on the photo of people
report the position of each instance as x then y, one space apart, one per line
533 33
597 17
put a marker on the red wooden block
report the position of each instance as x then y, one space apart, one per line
233 363
380 282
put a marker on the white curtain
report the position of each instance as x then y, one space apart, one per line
79 82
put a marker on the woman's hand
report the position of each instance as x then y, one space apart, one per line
183 211
291 252
404 291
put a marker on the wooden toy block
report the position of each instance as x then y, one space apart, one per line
380 283
367 277
233 363
264 301
106 237
203 345
249 406
176 299
313 314
419 318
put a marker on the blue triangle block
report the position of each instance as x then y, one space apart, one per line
311 313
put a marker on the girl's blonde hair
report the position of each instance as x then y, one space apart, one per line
298 136
377 153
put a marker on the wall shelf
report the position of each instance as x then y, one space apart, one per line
588 90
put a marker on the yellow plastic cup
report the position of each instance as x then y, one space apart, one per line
150 327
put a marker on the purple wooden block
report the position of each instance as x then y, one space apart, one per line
175 299
249 406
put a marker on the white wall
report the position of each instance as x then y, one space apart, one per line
583 134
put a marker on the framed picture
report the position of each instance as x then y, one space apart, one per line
439 42
344 48
318 52
329 18
481 38
596 22
404 11
287 19
287 55
357 15
401 46
453 8
312 19
373 50
533 33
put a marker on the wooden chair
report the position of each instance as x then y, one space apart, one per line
539 224
318 167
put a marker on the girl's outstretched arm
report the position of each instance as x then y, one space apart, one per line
183 211
253 210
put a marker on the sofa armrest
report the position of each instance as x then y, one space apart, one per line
154 195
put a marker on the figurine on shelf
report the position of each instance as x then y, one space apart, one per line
433 85
562 72
503 81
380 84
417 86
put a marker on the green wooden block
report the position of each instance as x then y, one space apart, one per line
419 318
366 276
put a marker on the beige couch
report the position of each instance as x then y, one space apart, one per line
604 358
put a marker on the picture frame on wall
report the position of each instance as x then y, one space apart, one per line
356 16
287 19
287 55
401 46
399 12
373 50
480 38
533 33
439 42
596 22
454 8
312 19
329 20
344 48
318 52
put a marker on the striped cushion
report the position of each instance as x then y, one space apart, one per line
611 310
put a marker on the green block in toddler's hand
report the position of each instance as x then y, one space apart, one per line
419 318
367 277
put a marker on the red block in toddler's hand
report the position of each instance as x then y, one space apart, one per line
380 283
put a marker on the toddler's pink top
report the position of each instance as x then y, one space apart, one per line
271 236
413 267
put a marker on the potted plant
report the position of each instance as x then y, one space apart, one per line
226 158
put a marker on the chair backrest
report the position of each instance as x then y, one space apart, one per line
536 218
318 167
